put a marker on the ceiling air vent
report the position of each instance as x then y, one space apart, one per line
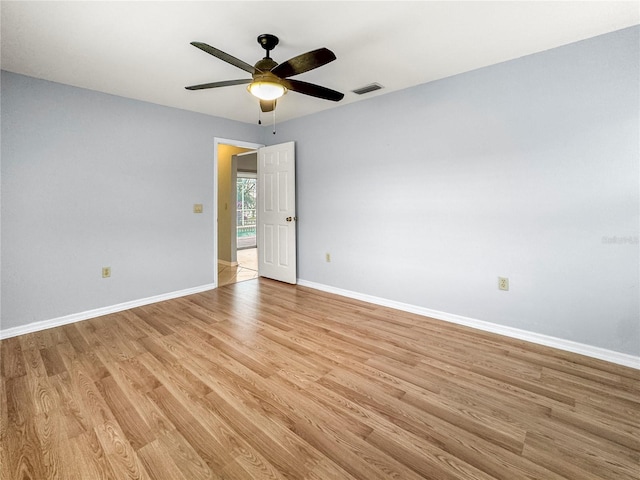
372 87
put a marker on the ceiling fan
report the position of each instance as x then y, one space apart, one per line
270 80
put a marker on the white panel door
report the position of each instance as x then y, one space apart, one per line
276 231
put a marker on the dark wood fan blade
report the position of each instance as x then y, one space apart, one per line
313 90
304 63
225 83
267 105
225 57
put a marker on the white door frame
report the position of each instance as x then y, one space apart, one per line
217 141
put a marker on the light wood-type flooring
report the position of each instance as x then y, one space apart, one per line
267 380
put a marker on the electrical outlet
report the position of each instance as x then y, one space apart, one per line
106 272
327 257
197 208
503 283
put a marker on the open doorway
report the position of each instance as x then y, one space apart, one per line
236 249
244 165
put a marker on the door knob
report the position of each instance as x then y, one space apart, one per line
291 218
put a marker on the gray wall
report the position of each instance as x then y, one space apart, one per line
92 180
527 169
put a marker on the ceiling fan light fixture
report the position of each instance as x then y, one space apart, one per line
266 90
270 80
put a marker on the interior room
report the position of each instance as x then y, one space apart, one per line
458 205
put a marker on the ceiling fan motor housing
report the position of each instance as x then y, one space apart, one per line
263 67
266 64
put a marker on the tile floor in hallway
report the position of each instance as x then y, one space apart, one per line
247 268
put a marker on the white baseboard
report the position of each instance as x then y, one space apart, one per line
98 312
567 345
562 344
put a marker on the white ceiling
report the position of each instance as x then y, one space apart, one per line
141 49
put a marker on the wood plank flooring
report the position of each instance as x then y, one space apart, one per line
272 381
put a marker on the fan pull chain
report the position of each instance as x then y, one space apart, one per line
259 116
274 121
